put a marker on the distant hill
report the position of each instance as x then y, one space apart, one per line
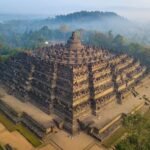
85 16
87 20
94 20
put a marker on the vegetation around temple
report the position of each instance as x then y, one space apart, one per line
138 128
6 51
135 133
115 43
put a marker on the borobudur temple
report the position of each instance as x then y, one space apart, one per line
70 80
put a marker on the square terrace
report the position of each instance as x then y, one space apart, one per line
28 108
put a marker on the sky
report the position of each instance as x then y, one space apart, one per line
132 9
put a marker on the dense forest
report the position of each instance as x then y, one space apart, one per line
138 133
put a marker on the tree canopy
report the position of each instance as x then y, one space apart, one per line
138 128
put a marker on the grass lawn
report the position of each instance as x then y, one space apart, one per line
7 123
1 148
31 137
115 137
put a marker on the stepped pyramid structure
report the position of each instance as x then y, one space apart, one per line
71 81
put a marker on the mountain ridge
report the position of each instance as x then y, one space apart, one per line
84 15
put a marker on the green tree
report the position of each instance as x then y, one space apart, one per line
138 138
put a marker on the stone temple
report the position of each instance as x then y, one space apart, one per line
71 81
